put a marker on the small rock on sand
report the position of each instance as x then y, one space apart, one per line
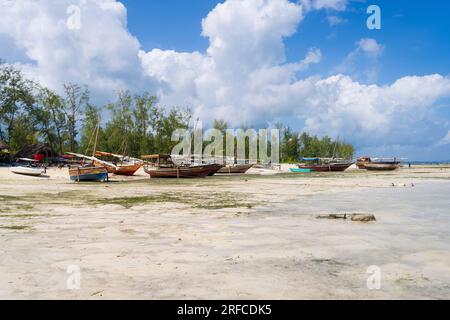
359 217
362 217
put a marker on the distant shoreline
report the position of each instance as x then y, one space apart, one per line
445 162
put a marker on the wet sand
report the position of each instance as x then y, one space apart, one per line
240 237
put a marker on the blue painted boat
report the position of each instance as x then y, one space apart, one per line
88 174
299 170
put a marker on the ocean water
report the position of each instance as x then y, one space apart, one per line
409 242
428 202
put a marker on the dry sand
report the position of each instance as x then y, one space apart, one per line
241 237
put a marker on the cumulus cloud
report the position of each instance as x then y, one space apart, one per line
366 53
373 114
370 47
335 20
246 55
243 76
100 52
324 4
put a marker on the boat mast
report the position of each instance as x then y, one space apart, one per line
96 138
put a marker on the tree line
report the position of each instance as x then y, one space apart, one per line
31 113
295 145
136 124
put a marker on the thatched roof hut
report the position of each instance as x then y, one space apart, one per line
34 149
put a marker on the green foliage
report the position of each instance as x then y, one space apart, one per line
17 106
289 145
23 133
139 126
88 132
295 146
176 118
75 101
51 119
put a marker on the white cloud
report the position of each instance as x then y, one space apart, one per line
101 53
371 114
338 5
335 20
245 35
446 139
370 47
243 77
246 54
362 62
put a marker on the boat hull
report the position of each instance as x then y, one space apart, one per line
235 169
218 167
361 165
125 170
382 166
95 174
181 172
128 170
334 167
26 171
121 169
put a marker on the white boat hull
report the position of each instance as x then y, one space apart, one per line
28 171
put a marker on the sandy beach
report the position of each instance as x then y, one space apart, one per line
233 237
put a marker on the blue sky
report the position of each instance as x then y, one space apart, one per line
416 33
311 64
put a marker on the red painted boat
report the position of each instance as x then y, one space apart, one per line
124 166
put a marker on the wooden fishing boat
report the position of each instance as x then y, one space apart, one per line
325 164
200 171
32 168
163 167
379 164
125 166
191 161
95 170
28 171
88 173
235 169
